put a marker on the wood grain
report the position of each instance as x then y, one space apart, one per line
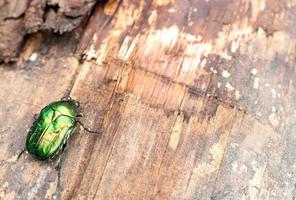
194 99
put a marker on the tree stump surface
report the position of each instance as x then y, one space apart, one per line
194 99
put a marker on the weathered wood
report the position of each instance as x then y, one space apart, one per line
195 100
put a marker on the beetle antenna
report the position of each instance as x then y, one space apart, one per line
87 129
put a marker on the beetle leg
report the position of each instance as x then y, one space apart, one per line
21 153
35 116
77 103
58 167
87 129
80 115
61 157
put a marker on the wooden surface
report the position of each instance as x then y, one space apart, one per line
195 98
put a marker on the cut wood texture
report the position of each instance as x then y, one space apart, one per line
194 99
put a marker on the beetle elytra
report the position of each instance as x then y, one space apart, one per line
52 128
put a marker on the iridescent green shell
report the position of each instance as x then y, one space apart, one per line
52 128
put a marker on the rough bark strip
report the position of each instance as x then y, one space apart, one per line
60 16
11 29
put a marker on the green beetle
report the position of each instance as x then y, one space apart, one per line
52 128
